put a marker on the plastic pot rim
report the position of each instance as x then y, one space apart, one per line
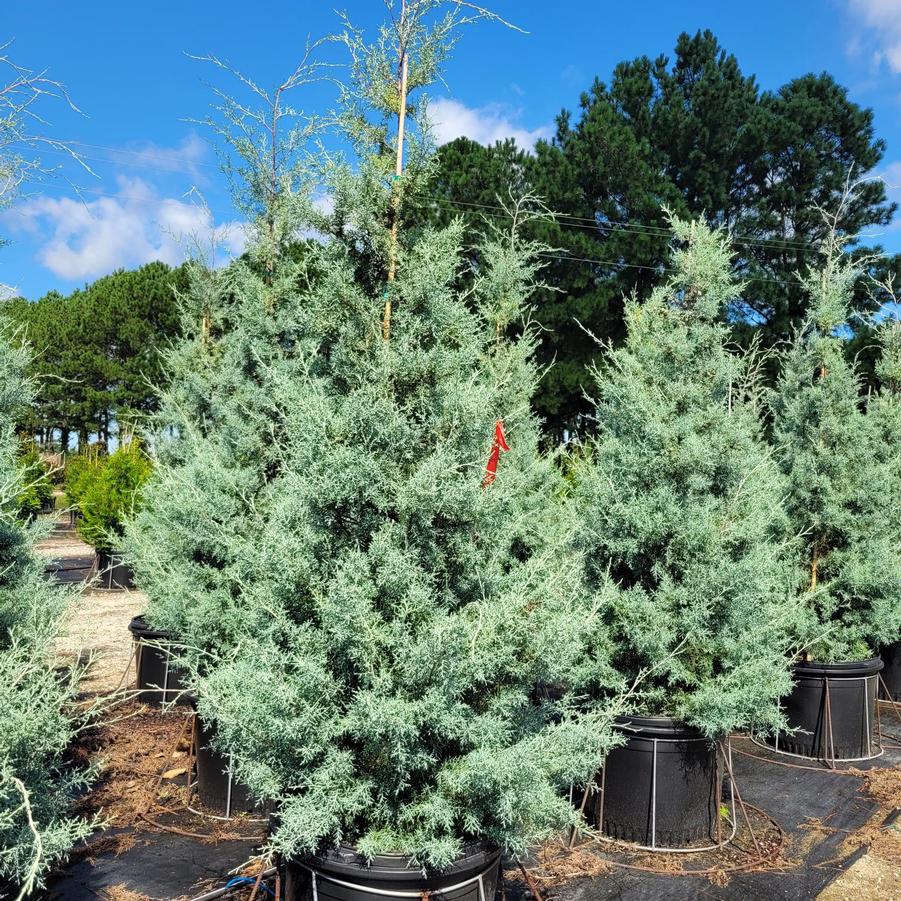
850 669
665 727
139 629
347 860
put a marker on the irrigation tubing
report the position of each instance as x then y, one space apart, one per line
237 883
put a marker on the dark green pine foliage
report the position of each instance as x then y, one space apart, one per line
679 506
37 701
97 352
841 461
692 132
365 621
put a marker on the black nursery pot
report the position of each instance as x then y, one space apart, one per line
113 573
891 674
158 680
342 875
842 692
219 792
660 788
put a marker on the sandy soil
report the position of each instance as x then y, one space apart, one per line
871 877
98 625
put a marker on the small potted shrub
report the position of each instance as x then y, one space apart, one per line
840 472
679 512
110 496
80 470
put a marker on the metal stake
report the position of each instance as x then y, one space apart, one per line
737 795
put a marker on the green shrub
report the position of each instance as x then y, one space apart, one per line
37 487
79 472
109 493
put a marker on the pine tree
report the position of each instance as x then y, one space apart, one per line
365 608
841 463
679 505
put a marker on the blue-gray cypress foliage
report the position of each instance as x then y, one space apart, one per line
679 505
38 703
365 621
842 473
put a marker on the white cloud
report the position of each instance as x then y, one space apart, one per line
84 240
891 175
188 157
883 20
485 124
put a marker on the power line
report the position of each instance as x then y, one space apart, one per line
654 230
563 219
662 268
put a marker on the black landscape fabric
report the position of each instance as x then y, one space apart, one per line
167 866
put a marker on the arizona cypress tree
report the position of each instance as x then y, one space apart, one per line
841 464
38 704
36 700
680 506
887 403
365 607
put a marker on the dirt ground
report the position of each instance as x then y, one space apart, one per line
877 874
97 627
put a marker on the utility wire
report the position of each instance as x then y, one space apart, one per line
572 221
654 230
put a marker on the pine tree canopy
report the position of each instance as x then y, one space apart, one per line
678 505
840 457
95 353
364 616
694 132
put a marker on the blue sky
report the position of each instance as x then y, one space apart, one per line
125 65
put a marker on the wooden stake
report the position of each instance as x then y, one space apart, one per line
814 564
398 171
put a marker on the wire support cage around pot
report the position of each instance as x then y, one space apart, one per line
663 790
341 875
833 712
112 573
220 794
157 680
